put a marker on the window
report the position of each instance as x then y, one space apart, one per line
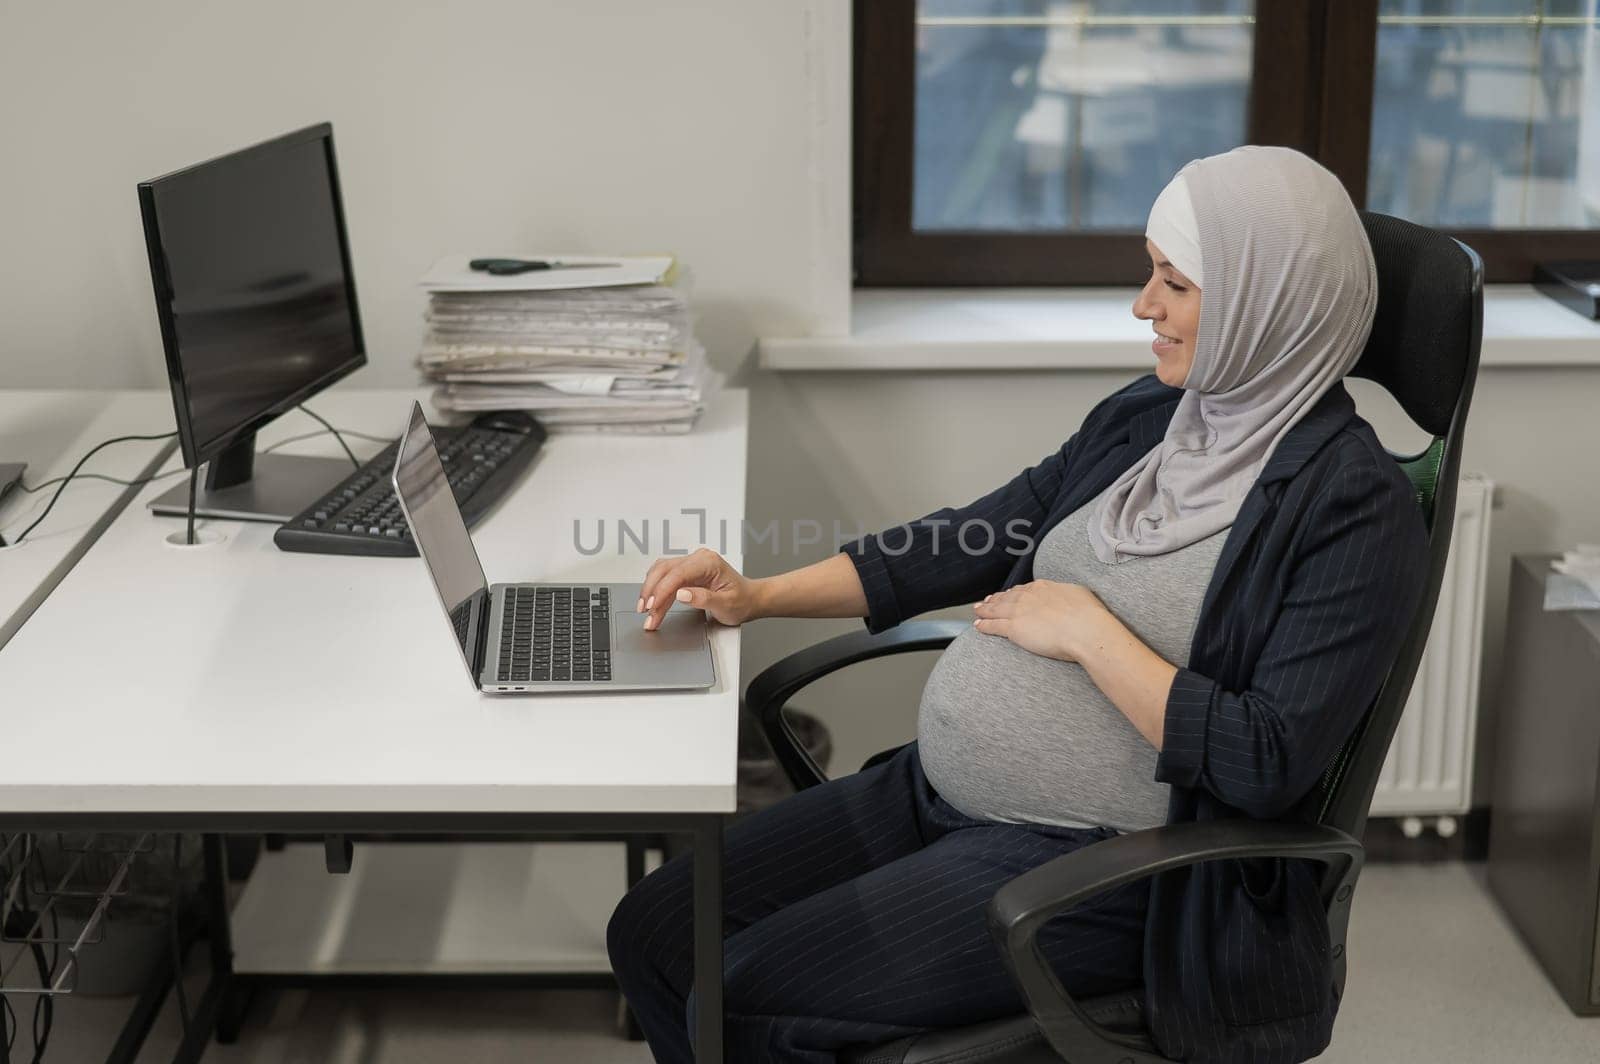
1022 141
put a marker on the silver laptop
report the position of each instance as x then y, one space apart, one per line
538 638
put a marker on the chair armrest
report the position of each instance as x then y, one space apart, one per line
769 692
1022 906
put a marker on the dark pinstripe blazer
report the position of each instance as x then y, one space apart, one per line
1317 581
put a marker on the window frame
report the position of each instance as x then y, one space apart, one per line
1311 53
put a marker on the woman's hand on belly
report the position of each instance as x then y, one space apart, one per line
1047 618
1068 622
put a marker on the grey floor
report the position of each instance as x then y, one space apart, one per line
1436 975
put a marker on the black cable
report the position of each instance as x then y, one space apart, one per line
23 926
43 1005
10 1028
194 482
44 1014
92 476
26 490
352 433
101 476
63 486
385 440
47 1002
177 937
325 423
338 434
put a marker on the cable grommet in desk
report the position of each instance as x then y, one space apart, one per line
203 537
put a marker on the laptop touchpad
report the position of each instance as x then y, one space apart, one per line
682 630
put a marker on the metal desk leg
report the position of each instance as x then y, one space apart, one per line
708 939
237 992
143 1017
147 1007
204 1020
636 853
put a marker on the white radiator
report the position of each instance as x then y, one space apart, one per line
1429 769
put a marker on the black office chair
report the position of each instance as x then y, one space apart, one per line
1424 351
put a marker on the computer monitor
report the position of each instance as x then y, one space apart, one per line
257 304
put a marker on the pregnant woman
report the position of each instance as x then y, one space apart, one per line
1179 615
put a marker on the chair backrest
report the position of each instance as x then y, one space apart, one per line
1424 350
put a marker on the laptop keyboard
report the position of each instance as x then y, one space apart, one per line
555 634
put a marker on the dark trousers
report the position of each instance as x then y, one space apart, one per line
854 913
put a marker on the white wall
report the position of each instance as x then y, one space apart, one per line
603 125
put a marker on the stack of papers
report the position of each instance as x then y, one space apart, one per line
601 349
1574 582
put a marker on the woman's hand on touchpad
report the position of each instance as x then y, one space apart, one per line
703 580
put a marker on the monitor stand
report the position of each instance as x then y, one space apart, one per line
240 485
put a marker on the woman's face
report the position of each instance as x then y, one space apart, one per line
1170 302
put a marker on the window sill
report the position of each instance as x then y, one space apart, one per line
1093 329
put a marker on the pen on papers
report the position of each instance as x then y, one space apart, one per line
506 267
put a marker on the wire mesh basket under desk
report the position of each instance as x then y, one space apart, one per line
59 891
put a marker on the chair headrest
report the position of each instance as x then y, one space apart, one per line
1430 294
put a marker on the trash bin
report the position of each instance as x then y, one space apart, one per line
762 782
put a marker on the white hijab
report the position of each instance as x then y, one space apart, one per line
1286 306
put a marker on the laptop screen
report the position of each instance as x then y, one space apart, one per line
436 524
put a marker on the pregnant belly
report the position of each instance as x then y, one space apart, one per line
1007 735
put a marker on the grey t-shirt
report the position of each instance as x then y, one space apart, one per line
1011 736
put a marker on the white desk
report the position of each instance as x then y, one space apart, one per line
235 687
50 431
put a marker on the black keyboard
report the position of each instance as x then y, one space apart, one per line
361 515
555 634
